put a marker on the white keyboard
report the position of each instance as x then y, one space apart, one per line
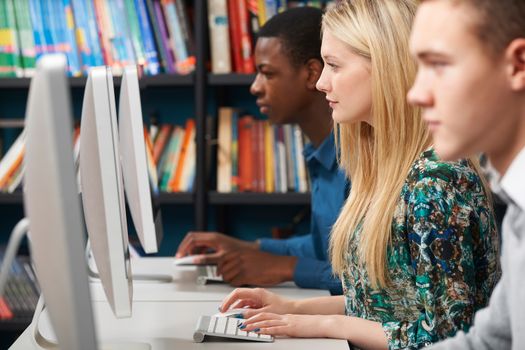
208 273
225 327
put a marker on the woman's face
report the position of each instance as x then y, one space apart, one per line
346 81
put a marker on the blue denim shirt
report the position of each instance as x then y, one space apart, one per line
329 188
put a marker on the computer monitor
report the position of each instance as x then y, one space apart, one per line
103 190
53 207
144 210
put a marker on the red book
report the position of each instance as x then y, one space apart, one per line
261 171
247 59
235 35
245 153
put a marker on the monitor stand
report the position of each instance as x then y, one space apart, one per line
93 273
21 230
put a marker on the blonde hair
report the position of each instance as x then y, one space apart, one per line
376 159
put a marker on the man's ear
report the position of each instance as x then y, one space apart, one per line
314 68
515 57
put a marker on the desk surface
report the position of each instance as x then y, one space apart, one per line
184 287
166 314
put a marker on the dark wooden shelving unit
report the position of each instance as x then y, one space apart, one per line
230 79
249 198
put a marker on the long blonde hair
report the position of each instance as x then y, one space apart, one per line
378 158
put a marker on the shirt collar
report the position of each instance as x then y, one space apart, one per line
513 181
324 154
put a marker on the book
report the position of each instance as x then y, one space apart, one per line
25 36
246 160
10 65
150 52
224 144
169 164
189 138
161 141
12 159
269 158
219 36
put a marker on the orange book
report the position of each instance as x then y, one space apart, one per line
189 135
246 160
13 168
161 142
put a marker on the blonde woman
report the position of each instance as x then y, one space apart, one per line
415 244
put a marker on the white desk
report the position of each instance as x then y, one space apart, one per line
184 287
165 314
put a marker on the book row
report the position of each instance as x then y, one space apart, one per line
254 156
153 34
234 25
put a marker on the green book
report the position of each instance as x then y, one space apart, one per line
25 36
10 65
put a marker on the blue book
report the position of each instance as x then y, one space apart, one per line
152 59
177 38
97 58
67 30
123 54
82 27
47 23
38 28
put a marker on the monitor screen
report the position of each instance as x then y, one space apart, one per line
53 207
103 190
135 165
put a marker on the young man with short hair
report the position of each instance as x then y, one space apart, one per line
471 85
288 61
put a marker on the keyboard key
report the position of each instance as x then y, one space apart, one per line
232 326
265 336
253 335
211 327
221 324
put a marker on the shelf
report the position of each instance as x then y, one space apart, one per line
176 198
11 198
248 198
15 325
230 79
161 80
164 198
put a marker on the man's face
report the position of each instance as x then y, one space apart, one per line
462 89
280 87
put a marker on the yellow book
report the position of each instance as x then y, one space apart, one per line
269 158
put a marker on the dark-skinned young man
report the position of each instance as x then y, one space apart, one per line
288 61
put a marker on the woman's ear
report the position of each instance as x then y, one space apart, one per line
314 68
515 57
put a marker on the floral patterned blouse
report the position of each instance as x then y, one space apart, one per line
443 262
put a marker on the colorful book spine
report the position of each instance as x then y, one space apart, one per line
35 12
150 52
219 36
176 37
134 32
121 37
172 159
67 29
224 145
25 35
97 56
235 35
246 159
163 28
247 64
10 64
82 34
182 15
235 151
269 158
189 137
105 35
50 35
